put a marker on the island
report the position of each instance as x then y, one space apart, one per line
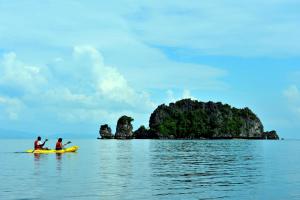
192 119
124 129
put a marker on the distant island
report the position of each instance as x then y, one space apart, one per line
192 119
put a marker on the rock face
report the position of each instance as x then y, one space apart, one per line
124 128
105 132
190 119
143 133
270 135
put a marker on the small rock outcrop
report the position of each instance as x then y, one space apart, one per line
124 128
143 133
191 119
105 132
270 135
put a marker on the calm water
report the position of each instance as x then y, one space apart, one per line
149 169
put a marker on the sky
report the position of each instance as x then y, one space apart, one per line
66 67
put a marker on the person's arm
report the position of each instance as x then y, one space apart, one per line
41 145
66 144
63 145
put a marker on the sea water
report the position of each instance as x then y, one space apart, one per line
153 169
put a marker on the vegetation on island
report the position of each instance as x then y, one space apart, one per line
192 119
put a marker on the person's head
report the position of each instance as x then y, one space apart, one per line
39 138
59 139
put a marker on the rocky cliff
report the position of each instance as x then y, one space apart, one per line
191 119
124 128
143 133
105 132
270 135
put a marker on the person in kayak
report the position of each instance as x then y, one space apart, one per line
59 145
38 144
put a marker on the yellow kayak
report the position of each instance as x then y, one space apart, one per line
66 150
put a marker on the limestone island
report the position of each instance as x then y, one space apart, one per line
192 119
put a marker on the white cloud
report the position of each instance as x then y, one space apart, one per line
187 94
110 82
11 107
19 76
172 97
257 28
83 89
166 74
141 65
79 81
219 27
292 93
75 90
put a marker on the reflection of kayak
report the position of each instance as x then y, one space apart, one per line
66 150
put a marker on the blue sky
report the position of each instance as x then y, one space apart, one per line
67 67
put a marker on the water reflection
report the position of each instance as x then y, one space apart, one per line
172 169
124 167
195 167
58 157
116 167
39 160
37 157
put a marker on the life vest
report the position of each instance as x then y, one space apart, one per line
58 146
36 146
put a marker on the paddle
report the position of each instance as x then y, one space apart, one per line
69 142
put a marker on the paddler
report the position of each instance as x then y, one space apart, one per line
59 145
38 144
